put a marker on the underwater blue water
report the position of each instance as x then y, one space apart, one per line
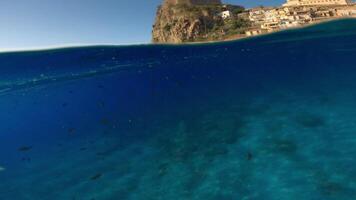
271 117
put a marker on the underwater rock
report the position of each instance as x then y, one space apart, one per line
310 120
2 168
194 180
334 189
205 137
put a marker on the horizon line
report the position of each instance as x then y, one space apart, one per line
65 46
80 45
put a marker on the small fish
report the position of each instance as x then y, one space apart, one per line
249 156
105 121
178 84
71 130
26 159
95 177
83 149
101 104
25 148
101 154
2 168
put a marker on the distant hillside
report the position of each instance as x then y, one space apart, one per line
180 21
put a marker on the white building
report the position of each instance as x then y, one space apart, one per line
225 14
346 11
258 15
316 2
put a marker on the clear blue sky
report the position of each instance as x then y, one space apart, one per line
47 23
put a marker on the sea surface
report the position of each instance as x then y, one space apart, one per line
265 118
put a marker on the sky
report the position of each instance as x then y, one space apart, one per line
27 24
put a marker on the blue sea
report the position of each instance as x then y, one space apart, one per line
265 118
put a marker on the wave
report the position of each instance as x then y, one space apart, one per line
45 80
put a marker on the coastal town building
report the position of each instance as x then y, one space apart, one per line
346 11
273 19
258 15
316 2
217 21
226 14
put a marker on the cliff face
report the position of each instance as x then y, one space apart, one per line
178 22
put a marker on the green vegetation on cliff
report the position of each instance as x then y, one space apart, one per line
191 23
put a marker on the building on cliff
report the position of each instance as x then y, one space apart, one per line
226 14
316 2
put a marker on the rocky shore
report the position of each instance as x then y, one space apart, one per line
183 21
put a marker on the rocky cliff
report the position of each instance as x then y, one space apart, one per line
180 21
